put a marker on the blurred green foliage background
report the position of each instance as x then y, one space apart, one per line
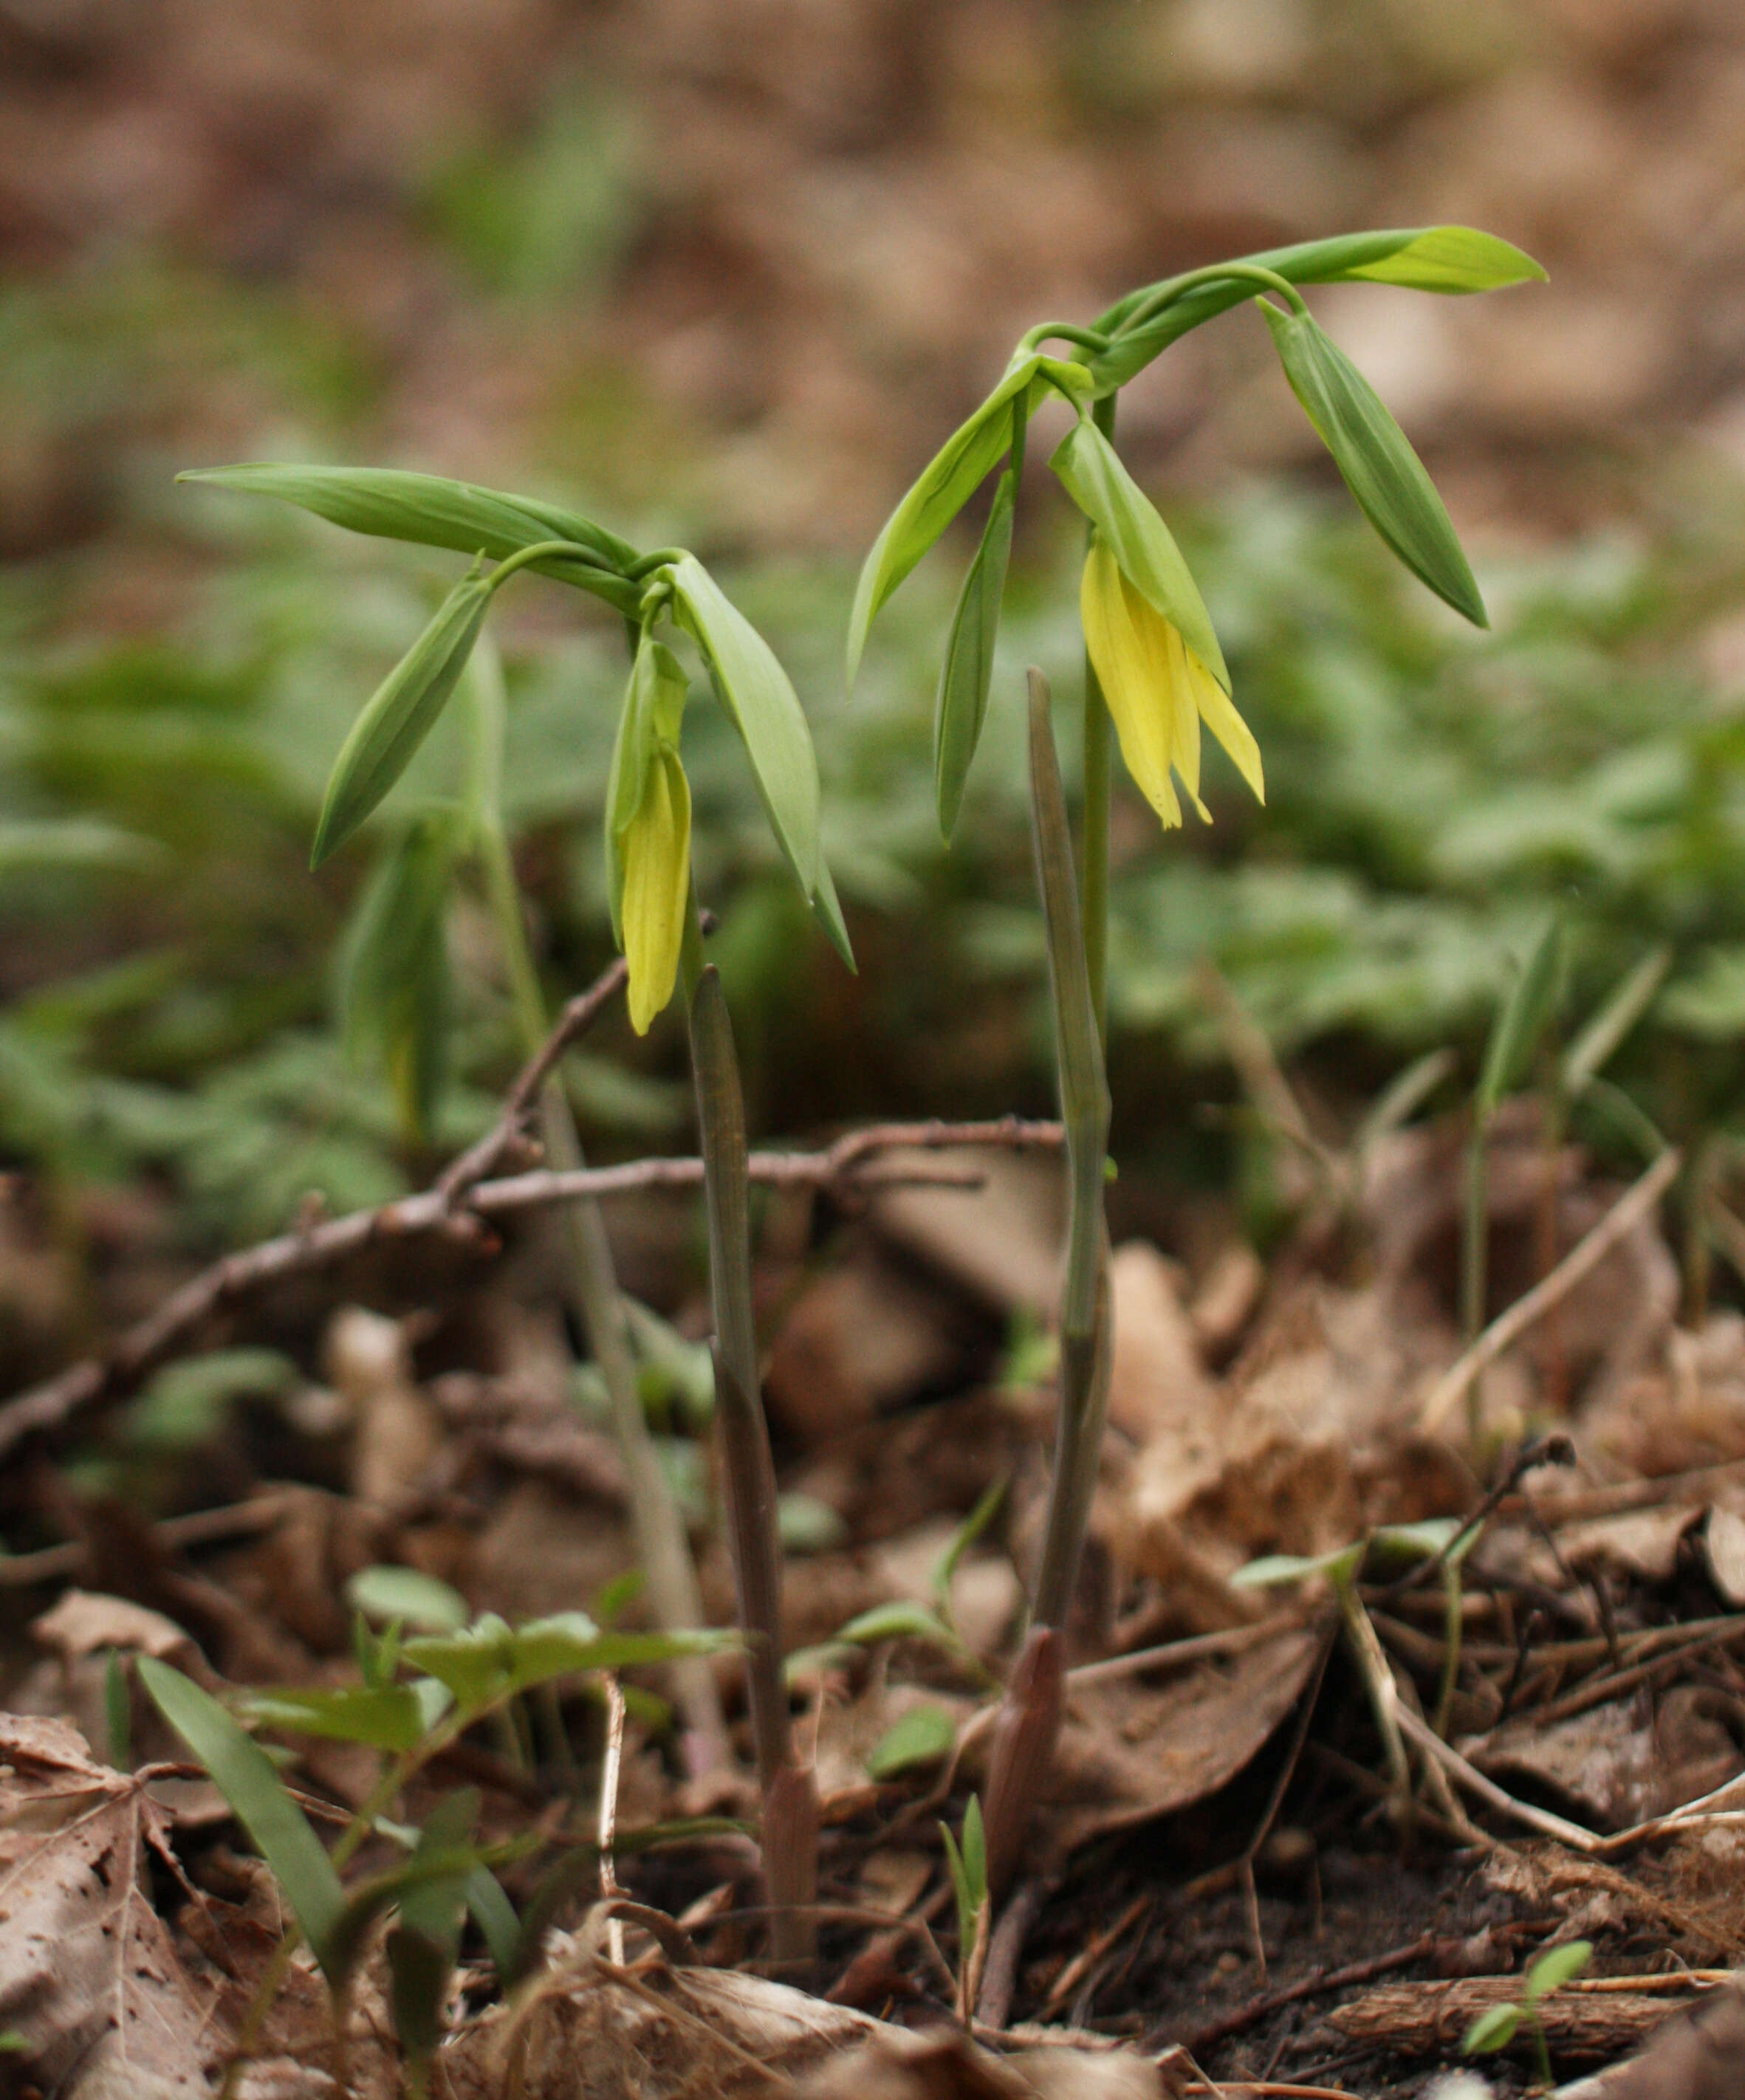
730 281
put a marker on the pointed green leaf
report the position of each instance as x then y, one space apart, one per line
432 512
243 1773
416 1599
969 667
1078 1041
945 1567
1144 549
903 1619
1492 2030
1558 1966
762 706
400 715
925 1736
828 910
394 976
1380 469
1521 1018
976 1852
944 485
489 1661
1418 255
1452 259
1340 1566
1593 1049
421 1949
389 1717
496 1918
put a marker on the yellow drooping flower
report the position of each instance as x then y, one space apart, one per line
1157 690
656 849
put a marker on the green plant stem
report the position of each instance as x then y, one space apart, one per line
1166 295
790 1819
1093 871
662 1547
1475 1228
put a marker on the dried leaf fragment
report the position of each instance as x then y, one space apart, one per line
88 1973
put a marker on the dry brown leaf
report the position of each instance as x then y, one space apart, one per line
591 2034
896 2065
84 1623
1615 1768
859 1341
1158 1385
88 1973
1131 1750
1724 1554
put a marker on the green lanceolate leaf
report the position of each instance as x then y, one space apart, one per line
653 706
1380 469
1552 1970
393 975
1340 1567
950 479
1492 2030
400 715
243 1773
1084 1087
925 1736
432 512
491 1661
762 704
1451 259
1144 549
388 1717
421 1949
1593 1049
945 484
969 667
418 1600
1521 1018
1433 258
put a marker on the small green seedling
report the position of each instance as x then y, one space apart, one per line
968 1865
1340 1569
417 1697
1447 1541
1497 2028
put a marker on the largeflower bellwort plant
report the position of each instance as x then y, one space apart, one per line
1155 673
665 597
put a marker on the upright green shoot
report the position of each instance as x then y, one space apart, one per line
1155 676
663 597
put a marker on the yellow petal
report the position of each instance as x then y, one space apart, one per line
656 849
1128 650
1221 718
1184 716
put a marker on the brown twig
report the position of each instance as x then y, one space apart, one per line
480 1161
1315 1985
75 1392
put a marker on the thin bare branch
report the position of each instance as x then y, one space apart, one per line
50 1407
478 1161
